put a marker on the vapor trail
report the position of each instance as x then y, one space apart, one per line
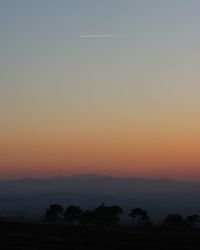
101 35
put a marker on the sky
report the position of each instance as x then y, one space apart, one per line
100 86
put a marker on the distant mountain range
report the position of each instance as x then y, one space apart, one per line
101 184
30 197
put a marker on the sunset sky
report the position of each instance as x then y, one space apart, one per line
100 86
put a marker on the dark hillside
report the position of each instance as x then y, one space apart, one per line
27 236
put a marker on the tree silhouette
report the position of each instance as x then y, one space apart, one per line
192 220
53 212
87 217
72 214
114 213
106 215
100 214
140 216
174 220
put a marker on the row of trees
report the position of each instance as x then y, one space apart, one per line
73 214
110 216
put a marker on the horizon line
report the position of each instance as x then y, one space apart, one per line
98 175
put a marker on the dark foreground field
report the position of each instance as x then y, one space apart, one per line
27 236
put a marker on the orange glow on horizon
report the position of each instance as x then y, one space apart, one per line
139 152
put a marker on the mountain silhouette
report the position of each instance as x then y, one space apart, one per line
159 196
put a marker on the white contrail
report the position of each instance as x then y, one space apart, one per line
101 35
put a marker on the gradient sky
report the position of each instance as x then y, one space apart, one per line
126 103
